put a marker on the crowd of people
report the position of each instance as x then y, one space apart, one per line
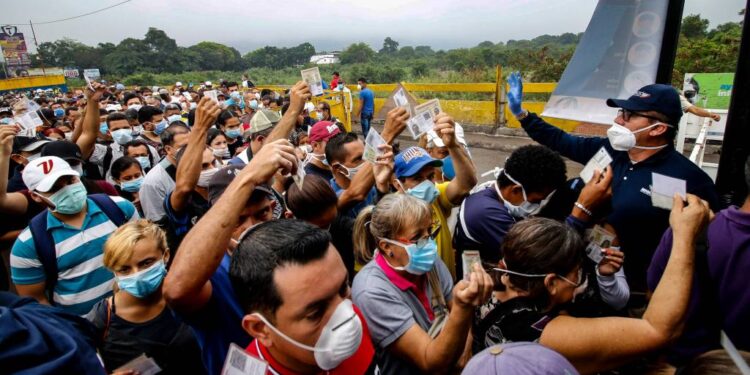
165 229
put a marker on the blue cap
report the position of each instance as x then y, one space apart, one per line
519 358
410 161
657 97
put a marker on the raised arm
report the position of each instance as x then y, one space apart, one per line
90 125
466 172
189 168
698 111
10 203
299 95
78 125
599 344
187 287
441 354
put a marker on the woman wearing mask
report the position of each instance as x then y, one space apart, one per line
128 176
136 319
217 143
230 125
542 272
418 321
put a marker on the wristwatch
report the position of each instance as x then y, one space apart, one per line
522 115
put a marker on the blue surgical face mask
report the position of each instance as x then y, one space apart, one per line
174 118
6 121
122 136
422 256
70 199
132 186
144 162
160 127
254 104
426 191
59 112
103 128
235 95
143 283
233 133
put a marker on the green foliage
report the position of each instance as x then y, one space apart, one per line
390 47
357 53
693 26
278 58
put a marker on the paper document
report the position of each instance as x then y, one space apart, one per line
372 142
313 79
599 161
663 189
142 365
424 118
240 362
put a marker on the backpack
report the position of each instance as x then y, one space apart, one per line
45 244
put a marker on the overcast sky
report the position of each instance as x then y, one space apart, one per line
327 24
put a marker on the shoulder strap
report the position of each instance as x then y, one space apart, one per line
107 162
109 302
438 304
44 245
110 208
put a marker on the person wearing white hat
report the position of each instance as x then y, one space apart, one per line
57 259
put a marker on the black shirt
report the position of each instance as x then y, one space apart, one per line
518 319
342 231
168 341
313 169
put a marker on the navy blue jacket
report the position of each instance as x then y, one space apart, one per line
639 225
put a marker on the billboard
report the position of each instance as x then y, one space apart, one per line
14 51
617 55
92 74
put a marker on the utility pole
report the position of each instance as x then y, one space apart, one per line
38 52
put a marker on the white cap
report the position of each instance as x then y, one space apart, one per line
208 83
309 107
42 173
178 84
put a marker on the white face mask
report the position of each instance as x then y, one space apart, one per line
221 152
306 148
359 87
339 339
351 172
623 139
135 106
69 135
205 177
526 208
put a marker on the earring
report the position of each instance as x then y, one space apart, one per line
390 254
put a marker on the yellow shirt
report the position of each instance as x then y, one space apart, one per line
441 210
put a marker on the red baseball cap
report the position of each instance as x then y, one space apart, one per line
322 131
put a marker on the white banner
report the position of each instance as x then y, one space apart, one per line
617 55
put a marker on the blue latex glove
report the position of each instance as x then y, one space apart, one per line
515 94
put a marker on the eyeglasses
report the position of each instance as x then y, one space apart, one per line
423 241
627 114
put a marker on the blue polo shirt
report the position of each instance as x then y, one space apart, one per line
219 322
483 223
639 225
368 104
372 198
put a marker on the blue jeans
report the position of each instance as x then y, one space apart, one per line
364 120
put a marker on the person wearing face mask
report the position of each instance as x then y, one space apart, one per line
312 326
528 180
418 320
195 164
640 143
70 217
317 164
541 273
139 150
353 178
136 319
71 153
415 173
128 176
366 106
197 286
154 124
217 143
119 128
262 125
160 180
230 125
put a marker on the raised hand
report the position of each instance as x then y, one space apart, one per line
272 157
206 113
474 292
7 134
515 93
445 128
395 123
597 190
96 94
383 168
612 262
688 221
299 94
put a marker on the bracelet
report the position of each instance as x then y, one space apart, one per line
584 209
524 113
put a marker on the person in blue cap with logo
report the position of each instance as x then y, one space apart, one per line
414 170
640 142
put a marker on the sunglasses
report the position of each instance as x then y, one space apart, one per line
627 114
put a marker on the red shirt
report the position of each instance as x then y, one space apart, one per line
362 362
334 82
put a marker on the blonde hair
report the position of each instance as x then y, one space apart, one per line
119 247
392 214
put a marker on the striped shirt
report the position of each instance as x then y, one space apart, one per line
82 278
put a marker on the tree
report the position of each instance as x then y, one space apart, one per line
216 56
390 46
423 51
486 44
406 52
357 53
693 26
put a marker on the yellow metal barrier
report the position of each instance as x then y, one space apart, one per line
33 82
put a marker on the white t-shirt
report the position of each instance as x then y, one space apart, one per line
156 185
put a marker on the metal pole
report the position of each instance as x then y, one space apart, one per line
669 42
730 179
41 60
